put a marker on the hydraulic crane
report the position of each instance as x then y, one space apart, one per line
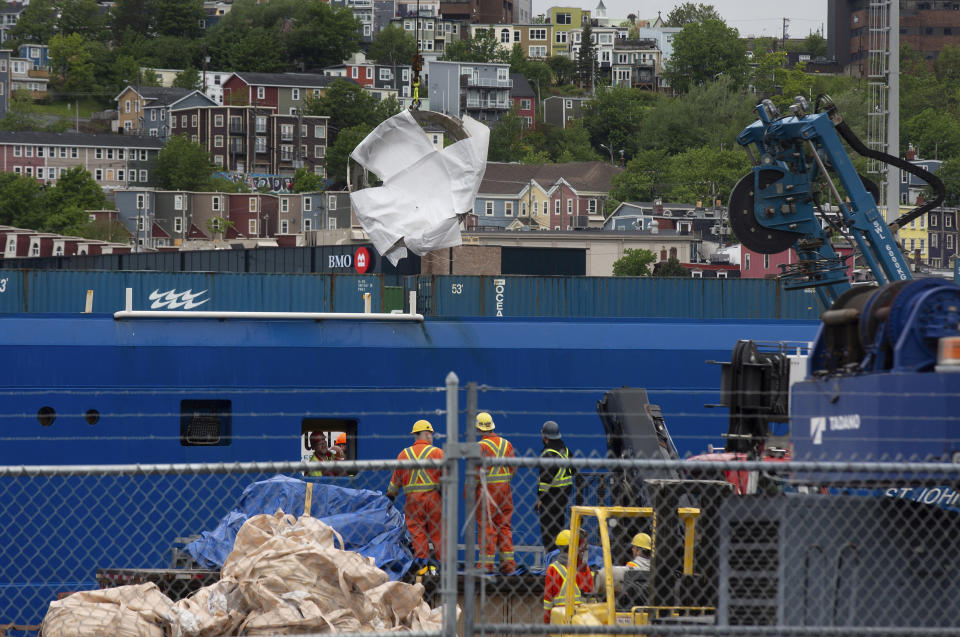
778 204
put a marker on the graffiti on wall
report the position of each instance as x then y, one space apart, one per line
257 181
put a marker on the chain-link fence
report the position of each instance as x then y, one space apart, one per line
655 545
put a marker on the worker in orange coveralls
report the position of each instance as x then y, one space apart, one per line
421 486
495 500
554 586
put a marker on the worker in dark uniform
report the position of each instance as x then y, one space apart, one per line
553 490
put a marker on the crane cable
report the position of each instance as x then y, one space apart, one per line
417 65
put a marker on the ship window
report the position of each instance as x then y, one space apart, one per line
332 429
92 416
46 416
204 423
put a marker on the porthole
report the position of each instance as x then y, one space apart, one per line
46 416
92 416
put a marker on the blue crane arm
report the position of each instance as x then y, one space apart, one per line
793 153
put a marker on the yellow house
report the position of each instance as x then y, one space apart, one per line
913 236
563 20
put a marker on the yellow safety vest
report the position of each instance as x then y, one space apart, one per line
563 477
420 480
562 595
497 473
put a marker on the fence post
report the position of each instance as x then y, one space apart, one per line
448 572
470 500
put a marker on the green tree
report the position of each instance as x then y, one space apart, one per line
634 263
614 118
691 13
949 173
482 47
105 230
20 201
188 78
67 203
946 66
322 34
347 105
174 52
564 69
705 174
506 140
919 87
81 16
283 35
22 114
566 144
934 133
131 18
703 51
671 267
218 227
338 154
675 125
763 73
305 181
37 23
71 61
587 59
643 178
179 18
183 165
392 46
815 45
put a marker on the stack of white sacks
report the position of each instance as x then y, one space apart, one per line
284 576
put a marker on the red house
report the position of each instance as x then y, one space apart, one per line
754 265
524 99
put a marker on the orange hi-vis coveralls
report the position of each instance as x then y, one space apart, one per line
423 509
554 586
495 503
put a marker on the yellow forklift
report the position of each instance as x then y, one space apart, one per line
681 585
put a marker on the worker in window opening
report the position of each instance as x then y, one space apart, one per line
322 452
554 591
495 500
421 487
553 491
641 547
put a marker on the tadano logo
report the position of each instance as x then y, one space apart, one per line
819 424
173 300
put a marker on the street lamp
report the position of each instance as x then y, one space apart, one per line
610 150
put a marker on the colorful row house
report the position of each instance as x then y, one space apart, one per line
171 219
114 161
568 196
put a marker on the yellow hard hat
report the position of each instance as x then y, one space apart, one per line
484 421
642 540
421 425
563 538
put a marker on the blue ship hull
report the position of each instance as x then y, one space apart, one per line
381 376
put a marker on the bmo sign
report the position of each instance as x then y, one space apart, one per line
361 260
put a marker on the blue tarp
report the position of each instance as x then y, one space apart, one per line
367 520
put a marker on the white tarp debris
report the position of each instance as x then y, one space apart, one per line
423 189
284 576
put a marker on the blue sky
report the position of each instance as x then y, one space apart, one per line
750 17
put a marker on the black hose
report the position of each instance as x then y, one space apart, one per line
855 143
